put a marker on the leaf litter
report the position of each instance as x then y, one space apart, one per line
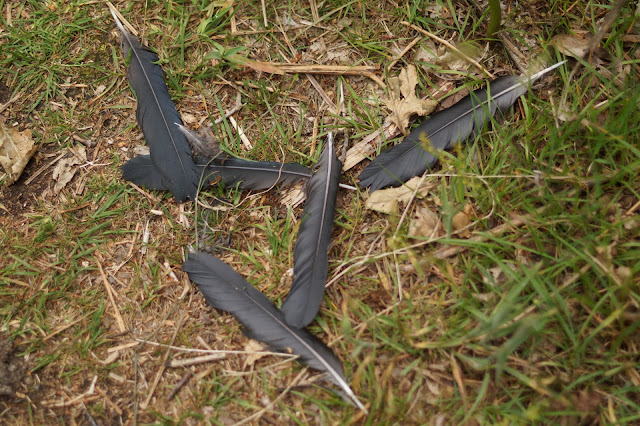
388 200
403 102
67 167
16 149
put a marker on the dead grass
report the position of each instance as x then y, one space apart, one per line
535 323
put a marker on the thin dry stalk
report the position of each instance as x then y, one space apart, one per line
452 47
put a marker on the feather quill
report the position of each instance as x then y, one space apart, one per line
157 116
246 174
225 289
310 262
442 131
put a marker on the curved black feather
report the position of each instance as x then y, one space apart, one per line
443 130
246 174
157 116
225 289
310 260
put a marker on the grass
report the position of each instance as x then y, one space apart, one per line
535 324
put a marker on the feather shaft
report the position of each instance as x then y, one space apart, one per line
157 115
310 264
246 174
225 289
442 131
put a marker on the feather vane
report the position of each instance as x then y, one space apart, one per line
442 131
225 289
246 174
157 115
310 264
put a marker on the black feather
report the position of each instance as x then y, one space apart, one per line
225 289
310 260
157 116
258 175
442 131
141 171
246 174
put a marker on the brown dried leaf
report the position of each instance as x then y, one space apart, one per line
339 56
459 221
403 101
386 200
571 45
255 350
427 53
16 149
456 60
66 168
425 224
262 67
318 46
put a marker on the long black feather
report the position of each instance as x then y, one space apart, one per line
442 131
157 116
246 174
310 259
225 289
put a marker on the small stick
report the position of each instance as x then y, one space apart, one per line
332 106
229 113
245 140
121 18
185 379
314 135
123 346
315 68
78 399
375 78
367 146
64 327
110 293
232 21
109 401
176 363
43 168
450 46
12 100
264 20
404 52
314 10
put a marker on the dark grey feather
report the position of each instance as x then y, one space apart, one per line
157 116
442 131
225 289
310 259
245 174
258 175
141 171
